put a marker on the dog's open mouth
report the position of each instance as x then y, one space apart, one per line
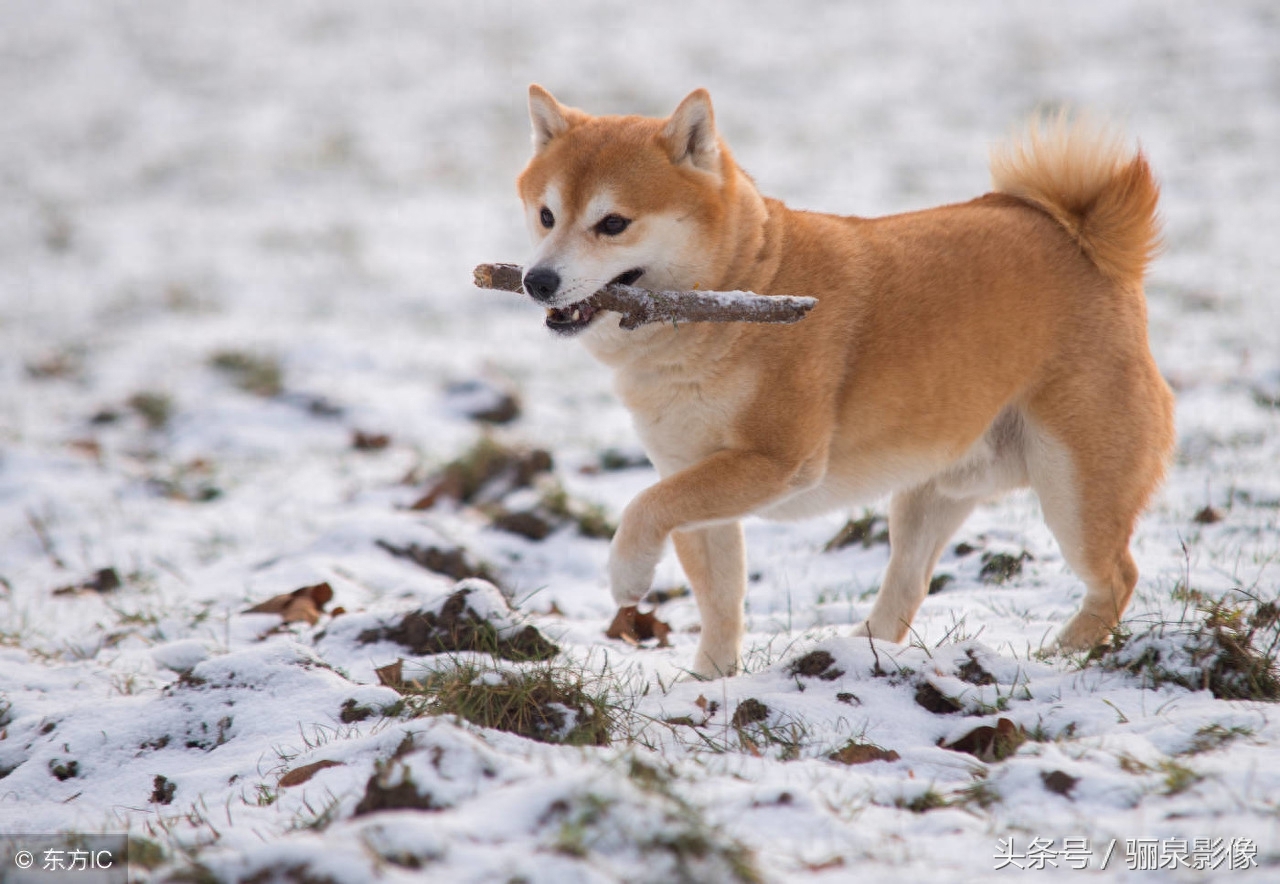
574 318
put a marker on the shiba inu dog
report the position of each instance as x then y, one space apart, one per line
954 353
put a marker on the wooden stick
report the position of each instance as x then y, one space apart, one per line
640 306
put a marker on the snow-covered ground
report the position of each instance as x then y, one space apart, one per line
201 200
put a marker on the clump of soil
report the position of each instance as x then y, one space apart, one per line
457 627
1059 782
103 580
749 711
615 459
1207 515
815 664
362 440
867 531
483 400
935 701
404 795
485 473
454 562
251 372
163 790
973 672
1000 567
353 711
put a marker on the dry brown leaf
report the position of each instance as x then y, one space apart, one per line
300 775
391 675
862 753
991 744
362 441
302 604
634 626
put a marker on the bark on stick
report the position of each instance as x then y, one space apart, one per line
640 306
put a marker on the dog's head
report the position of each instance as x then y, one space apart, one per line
618 199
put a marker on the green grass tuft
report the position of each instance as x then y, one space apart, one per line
550 702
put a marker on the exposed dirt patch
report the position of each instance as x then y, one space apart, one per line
1208 515
530 524
867 531
353 712
935 701
1058 782
1001 567
455 562
816 664
362 440
162 790
403 795
457 627
938 582
104 580
749 711
487 472
973 672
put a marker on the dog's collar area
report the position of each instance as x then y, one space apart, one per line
574 318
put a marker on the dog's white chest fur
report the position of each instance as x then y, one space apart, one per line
679 420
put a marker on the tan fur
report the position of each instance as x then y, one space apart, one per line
954 353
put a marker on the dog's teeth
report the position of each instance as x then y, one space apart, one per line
551 311
577 314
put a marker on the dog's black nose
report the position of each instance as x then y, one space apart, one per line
541 283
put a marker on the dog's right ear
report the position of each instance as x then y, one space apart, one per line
550 118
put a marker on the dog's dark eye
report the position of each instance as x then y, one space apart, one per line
612 225
548 220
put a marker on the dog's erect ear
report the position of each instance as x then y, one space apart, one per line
550 119
690 133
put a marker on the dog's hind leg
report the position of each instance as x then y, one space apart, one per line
714 559
1094 484
921 521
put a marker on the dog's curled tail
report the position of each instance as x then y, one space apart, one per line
1088 180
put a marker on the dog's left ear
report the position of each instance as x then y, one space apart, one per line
690 133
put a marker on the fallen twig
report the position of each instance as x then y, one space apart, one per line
640 306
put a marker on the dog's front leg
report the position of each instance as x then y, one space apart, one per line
715 561
721 488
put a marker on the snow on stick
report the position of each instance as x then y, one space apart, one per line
640 306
